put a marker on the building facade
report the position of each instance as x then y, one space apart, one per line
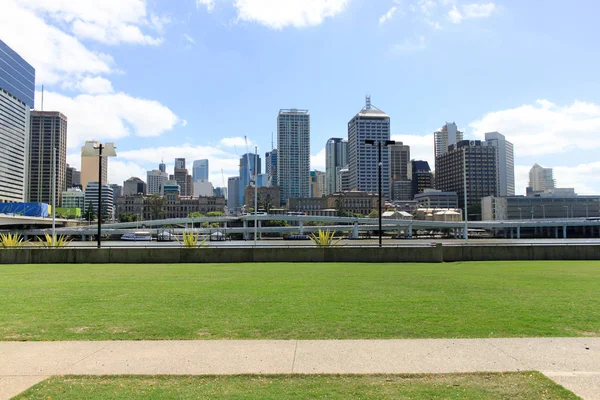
399 167
89 168
336 158
541 179
134 186
250 164
271 167
174 207
200 170
17 86
422 177
183 178
446 136
155 181
369 124
293 158
521 208
233 194
317 183
91 197
432 199
73 198
347 202
203 189
48 131
505 162
480 162
268 197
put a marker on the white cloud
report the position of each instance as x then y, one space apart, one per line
388 15
189 38
409 46
544 127
318 160
469 11
421 146
106 21
56 56
120 170
110 116
279 14
426 6
210 4
239 142
92 85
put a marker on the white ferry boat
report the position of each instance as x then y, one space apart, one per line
137 236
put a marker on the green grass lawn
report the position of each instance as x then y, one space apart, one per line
513 386
300 301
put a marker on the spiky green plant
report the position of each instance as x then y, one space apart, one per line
191 240
11 240
324 238
60 241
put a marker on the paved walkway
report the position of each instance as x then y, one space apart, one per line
572 362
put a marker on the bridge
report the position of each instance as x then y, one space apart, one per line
351 225
8 220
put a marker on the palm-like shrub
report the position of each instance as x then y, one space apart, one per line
191 240
60 241
11 240
324 238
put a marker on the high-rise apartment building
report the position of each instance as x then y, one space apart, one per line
293 146
200 170
134 186
89 168
317 183
505 162
271 167
249 165
448 135
17 86
541 179
155 181
369 124
233 195
48 131
336 158
399 166
480 162
422 178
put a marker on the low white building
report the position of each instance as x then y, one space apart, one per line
203 189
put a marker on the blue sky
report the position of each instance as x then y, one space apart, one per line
191 78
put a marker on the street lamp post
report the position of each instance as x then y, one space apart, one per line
92 150
379 167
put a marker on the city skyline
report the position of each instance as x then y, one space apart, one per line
549 112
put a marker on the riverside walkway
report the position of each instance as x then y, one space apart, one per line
571 362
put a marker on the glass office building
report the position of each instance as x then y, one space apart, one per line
17 88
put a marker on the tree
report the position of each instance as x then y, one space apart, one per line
215 214
374 214
89 214
195 214
267 203
128 217
157 204
339 206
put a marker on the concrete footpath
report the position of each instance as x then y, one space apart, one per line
571 362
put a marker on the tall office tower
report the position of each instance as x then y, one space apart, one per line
183 178
317 183
271 167
200 170
17 86
48 131
336 158
89 168
399 162
480 162
422 178
69 177
248 162
162 167
233 194
448 135
91 198
76 179
369 124
134 186
117 190
293 146
505 162
180 163
541 178
155 181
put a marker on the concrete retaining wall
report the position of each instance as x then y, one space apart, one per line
435 253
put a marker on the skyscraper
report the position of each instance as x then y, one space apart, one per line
248 163
505 163
162 167
89 169
293 146
448 135
317 183
422 178
233 195
541 178
271 167
180 163
480 162
48 131
156 180
336 158
17 86
369 124
399 161
200 170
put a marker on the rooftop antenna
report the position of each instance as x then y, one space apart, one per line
368 101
